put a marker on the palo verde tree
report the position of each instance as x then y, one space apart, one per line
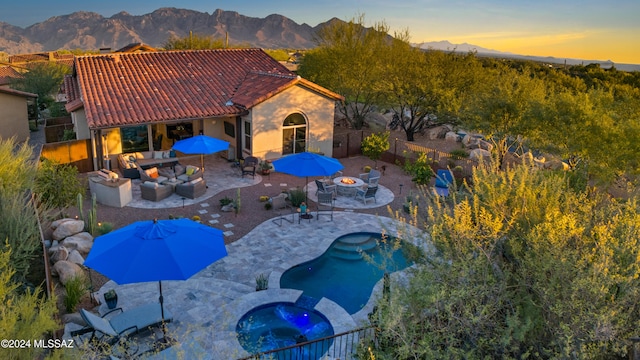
347 61
508 107
426 88
374 145
524 267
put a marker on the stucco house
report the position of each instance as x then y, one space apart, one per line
14 114
142 101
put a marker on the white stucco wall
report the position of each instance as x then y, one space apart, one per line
14 117
267 118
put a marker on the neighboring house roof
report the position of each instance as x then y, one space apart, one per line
8 73
17 93
135 47
144 87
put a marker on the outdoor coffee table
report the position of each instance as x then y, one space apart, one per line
172 183
348 185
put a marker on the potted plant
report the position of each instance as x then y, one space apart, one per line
111 298
265 167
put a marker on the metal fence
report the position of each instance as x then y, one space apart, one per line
341 346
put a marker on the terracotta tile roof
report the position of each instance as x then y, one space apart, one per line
7 73
258 87
137 88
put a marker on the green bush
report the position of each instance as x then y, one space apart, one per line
374 145
58 184
297 197
105 227
459 154
419 169
225 201
76 288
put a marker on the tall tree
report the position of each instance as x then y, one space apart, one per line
43 79
347 61
426 88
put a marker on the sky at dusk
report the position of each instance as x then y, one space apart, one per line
579 29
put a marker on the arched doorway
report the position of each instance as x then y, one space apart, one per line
294 134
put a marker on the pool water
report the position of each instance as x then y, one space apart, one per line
277 325
342 274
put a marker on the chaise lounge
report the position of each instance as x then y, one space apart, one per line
124 324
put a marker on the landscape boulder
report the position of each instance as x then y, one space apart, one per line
451 136
479 154
59 253
67 270
80 241
438 132
67 227
75 257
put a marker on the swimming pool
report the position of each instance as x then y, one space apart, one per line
342 274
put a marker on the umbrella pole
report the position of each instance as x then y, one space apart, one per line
164 326
202 162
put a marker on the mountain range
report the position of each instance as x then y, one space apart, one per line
92 31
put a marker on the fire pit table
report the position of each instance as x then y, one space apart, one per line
347 185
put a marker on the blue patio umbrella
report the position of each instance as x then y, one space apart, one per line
307 164
156 250
201 144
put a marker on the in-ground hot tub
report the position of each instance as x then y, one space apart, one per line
281 324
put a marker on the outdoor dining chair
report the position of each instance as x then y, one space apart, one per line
322 187
366 194
325 204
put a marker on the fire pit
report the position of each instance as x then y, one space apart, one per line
347 185
348 181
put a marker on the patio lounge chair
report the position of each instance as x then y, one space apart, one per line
444 179
325 204
366 194
322 187
124 324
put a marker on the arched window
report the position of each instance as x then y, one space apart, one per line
294 134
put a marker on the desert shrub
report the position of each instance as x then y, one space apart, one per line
104 228
58 184
297 197
225 201
459 154
420 169
75 288
23 315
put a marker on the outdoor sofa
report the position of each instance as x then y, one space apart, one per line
130 162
